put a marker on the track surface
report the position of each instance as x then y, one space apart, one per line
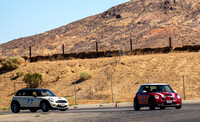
189 112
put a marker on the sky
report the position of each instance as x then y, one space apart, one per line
22 18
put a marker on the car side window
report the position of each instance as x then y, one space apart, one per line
21 93
140 90
153 89
146 88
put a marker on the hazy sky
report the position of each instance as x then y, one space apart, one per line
21 18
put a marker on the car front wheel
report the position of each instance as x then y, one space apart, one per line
15 107
151 104
44 107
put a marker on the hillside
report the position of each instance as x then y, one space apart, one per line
149 23
127 75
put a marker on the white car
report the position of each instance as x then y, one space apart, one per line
34 99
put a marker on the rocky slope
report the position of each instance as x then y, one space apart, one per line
149 23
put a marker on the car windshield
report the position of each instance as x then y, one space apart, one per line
46 93
160 88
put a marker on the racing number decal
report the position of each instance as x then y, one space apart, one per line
29 100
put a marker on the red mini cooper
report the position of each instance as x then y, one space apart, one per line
156 95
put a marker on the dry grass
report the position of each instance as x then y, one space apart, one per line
127 75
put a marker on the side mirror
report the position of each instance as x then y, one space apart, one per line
175 91
144 91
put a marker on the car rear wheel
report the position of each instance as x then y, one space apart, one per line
151 104
136 105
178 107
162 107
44 107
15 107
33 110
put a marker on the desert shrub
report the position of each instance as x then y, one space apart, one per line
57 78
20 60
12 63
33 80
20 73
85 75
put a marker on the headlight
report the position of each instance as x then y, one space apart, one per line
178 96
51 99
156 96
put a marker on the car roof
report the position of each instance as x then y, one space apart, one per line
33 89
154 84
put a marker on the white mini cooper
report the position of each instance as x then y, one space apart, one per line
34 99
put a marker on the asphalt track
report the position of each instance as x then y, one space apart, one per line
188 113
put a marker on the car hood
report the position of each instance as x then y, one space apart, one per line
165 94
53 97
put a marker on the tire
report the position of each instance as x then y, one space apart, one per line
162 107
178 107
63 109
33 110
151 104
44 107
15 107
136 105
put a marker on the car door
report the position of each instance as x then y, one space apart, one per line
35 99
143 96
21 97
29 100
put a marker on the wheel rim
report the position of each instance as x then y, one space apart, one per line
44 106
14 107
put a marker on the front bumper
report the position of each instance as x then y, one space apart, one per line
59 105
168 103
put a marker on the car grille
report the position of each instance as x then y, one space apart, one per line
61 101
168 95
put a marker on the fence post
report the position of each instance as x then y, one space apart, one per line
131 46
30 53
183 87
63 49
170 42
97 50
75 91
112 90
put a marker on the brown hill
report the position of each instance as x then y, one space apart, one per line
149 23
127 75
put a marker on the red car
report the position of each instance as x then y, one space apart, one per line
156 95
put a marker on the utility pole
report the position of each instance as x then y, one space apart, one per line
183 87
112 90
75 91
30 53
